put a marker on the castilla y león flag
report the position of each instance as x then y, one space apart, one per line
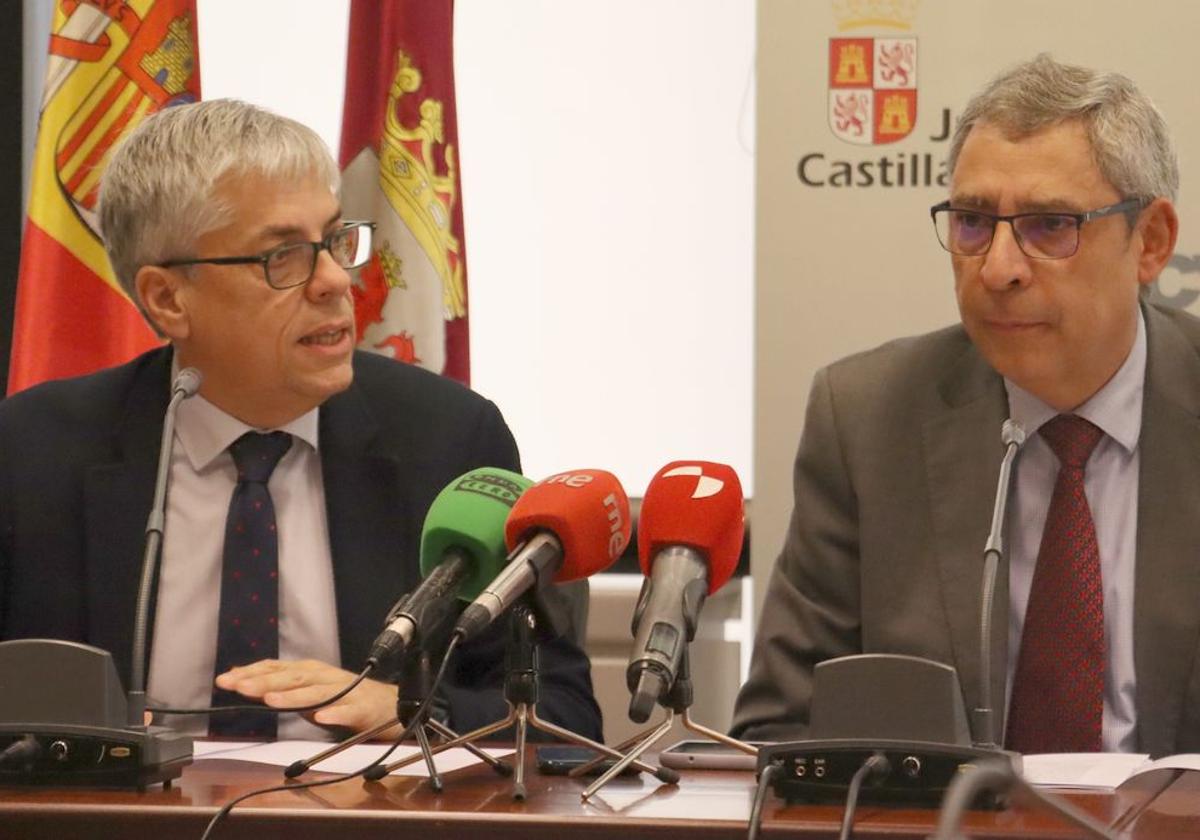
111 63
399 159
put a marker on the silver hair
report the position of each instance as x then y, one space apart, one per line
157 193
1129 138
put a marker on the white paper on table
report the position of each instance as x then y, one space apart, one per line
1183 761
284 753
1081 770
209 749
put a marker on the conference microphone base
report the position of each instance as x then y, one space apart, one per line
83 756
907 708
920 772
64 722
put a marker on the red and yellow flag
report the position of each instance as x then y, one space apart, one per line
399 159
111 63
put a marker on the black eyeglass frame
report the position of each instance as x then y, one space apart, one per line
1124 206
264 258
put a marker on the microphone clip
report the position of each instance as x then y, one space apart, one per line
551 611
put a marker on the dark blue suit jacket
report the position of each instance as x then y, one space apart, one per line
77 467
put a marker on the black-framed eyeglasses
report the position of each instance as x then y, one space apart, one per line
1041 236
293 264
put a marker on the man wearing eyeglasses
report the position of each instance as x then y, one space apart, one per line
1059 217
300 473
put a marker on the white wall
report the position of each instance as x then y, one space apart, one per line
607 152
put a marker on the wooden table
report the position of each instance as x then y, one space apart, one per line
477 804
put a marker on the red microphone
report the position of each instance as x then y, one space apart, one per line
689 539
567 527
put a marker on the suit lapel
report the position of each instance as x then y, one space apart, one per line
1167 576
369 521
117 499
962 458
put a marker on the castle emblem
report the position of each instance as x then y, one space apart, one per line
873 80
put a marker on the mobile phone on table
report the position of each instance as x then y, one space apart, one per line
706 755
559 761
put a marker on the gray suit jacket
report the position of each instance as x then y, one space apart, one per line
894 484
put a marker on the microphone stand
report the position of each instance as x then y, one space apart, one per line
187 383
521 693
414 687
677 701
1012 436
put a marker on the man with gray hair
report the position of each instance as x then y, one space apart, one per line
1060 215
300 474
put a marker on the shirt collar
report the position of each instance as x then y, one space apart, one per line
205 431
1116 408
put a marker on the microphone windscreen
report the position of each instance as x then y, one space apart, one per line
469 515
586 509
697 504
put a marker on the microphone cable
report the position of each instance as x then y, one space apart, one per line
365 771
765 780
875 766
262 707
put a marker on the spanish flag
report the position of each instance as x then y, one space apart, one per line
399 159
110 65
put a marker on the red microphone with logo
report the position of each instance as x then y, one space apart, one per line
689 539
567 527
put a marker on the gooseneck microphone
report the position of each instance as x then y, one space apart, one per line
1012 435
689 539
462 550
186 384
65 719
567 527
908 708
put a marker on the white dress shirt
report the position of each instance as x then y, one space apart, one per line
1111 486
202 478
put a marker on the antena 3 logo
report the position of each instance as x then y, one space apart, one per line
706 485
493 486
872 99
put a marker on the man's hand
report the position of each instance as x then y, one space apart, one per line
282 683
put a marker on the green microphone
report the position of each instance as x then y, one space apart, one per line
462 551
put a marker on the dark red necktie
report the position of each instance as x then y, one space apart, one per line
247 628
1057 700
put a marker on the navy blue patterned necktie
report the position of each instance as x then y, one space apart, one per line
248 624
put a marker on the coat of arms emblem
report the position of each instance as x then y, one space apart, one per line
872 89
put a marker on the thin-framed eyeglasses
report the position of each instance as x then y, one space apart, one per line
1040 236
293 264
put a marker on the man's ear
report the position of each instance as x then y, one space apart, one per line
1159 230
159 292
